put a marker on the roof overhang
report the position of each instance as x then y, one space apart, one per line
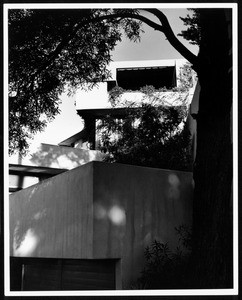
35 171
102 112
92 114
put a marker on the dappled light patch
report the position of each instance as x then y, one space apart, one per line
99 211
63 157
29 230
147 238
173 180
117 215
92 155
64 161
40 215
32 193
28 244
174 190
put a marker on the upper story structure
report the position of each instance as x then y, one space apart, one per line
93 105
166 76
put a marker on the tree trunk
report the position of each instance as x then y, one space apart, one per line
212 221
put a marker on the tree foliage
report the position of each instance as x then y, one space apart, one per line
52 50
151 133
193 30
55 50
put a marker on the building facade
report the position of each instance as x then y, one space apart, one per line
80 224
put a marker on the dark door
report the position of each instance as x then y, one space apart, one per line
88 275
37 274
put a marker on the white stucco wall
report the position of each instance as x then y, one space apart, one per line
61 157
98 96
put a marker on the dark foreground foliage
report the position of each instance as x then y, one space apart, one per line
150 135
164 268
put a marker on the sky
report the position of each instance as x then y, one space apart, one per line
153 45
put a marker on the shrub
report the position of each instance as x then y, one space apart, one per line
166 269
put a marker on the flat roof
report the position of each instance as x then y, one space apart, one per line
36 171
102 112
72 139
143 68
138 64
145 63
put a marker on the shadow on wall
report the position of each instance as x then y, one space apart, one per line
27 234
32 232
30 237
25 242
63 157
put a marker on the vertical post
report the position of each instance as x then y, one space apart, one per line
90 125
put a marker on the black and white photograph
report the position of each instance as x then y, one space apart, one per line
120 157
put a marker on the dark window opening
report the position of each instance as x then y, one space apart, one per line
135 78
111 84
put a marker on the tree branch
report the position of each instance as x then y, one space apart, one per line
163 27
167 30
52 56
132 16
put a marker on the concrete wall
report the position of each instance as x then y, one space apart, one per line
135 205
101 210
53 156
87 99
54 218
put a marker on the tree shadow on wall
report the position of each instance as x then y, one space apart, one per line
63 157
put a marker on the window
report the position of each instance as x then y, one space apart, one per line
135 78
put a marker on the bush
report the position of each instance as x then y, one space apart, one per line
150 136
166 269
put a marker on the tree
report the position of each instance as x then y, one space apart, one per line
213 167
51 51
151 133
193 30
212 227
